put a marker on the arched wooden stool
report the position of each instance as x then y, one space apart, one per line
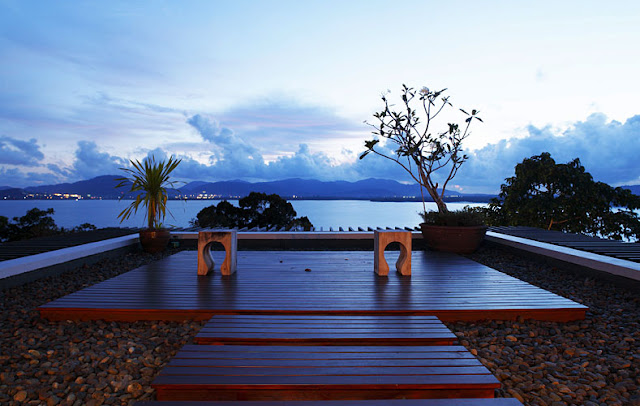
380 241
229 239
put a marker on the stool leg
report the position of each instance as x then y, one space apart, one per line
230 259
380 265
205 260
403 265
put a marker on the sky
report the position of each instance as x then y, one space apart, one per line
268 90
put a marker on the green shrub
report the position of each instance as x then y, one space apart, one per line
467 217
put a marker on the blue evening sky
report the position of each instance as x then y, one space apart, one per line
264 90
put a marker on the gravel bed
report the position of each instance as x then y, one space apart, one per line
81 363
591 362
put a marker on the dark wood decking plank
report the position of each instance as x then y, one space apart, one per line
340 283
325 330
321 372
373 402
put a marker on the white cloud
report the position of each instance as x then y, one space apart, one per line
607 149
90 162
18 152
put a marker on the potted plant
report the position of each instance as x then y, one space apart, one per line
149 181
423 153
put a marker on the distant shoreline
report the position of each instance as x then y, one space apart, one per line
453 199
461 199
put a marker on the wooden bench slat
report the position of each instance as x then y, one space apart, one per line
329 382
322 372
387 362
374 402
296 336
327 330
310 319
334 352
313 370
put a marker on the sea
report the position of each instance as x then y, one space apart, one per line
324 214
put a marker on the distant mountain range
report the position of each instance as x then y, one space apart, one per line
103 187
635 189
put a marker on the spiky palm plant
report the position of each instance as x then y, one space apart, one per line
151 179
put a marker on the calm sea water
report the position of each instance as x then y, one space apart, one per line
322 213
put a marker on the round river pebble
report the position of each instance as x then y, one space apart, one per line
592 362
81 363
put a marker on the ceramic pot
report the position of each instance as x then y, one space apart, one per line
154 240
460 240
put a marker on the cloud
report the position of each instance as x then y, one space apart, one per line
90 162
607 149
18 178
230 154
302 164
233 157
18 152
281 126
210 129
305 164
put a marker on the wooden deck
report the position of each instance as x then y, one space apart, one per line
324 330
249 373
318 282
376 402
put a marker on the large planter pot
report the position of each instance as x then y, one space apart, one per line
460 240
154 240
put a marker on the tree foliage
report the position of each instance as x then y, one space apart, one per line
35 223
255 210
421 150
564 197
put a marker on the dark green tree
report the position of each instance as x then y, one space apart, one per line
223 215
35 223
4 228
255 210
264 210
83 227
564 197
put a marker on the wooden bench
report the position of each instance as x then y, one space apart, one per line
325 330
235 372
385 402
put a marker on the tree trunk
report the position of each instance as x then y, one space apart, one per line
433 192
151 214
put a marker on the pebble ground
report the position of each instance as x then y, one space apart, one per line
81 363
591 362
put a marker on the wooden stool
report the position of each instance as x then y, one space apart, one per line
380 241
229 239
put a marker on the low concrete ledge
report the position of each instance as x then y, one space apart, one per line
21 270
599 263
